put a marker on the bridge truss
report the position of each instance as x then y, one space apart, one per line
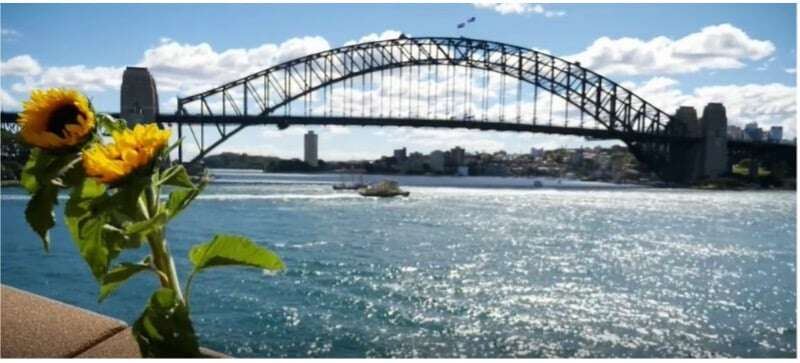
432 82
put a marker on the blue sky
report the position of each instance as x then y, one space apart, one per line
743 54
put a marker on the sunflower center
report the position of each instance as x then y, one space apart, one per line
61 117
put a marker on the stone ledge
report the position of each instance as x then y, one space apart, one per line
34 326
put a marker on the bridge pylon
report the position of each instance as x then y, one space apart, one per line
138 96
707 157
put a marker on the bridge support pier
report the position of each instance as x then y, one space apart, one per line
138 96
707 158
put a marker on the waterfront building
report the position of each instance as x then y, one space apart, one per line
311 157
752 132
735 133
457 154
415 163
436 161
400 155
775 134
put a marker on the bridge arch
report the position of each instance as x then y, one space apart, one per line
622 114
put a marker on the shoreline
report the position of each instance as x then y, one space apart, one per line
10 183
720 184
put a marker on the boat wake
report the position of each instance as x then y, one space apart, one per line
276 196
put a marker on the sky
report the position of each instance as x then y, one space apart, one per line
743 55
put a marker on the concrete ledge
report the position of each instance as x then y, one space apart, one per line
34 326
119 345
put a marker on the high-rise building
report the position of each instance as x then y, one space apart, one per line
400 155
775 134
457 153
311 149
436 161
753 132
735 132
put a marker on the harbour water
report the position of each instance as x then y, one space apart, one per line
472 267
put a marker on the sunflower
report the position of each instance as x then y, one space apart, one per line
56 118
131 150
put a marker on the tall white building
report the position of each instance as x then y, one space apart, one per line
311 149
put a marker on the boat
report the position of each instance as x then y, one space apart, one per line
351 186
344 186
384 189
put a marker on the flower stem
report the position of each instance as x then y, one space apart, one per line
158 245
164 263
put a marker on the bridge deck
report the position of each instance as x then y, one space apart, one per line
285 121
11 118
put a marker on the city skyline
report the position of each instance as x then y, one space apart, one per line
746 62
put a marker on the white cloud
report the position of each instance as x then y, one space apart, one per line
177 68
519 8
336 129
721 46
88 79
768 104
7 102
9 34
272 132
427 140
374 37
190 68
33 75
21 65
791 70
764 66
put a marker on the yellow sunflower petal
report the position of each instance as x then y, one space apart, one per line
132 149
45 120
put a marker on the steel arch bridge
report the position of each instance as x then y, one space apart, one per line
358 85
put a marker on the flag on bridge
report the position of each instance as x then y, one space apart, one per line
462 25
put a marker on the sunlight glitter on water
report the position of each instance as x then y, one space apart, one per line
473 271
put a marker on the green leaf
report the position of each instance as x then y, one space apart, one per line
164 330
94 247
43 167
117 276
39 212
41 177
124 201
167 150
82 195
177 176
179 199
38 164
226 250
71 175
77 207
110 124
119 239
147 226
